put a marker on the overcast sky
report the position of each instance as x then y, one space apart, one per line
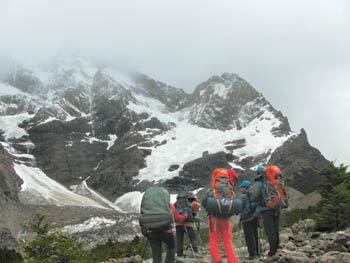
297 53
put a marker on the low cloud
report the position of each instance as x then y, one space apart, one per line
295 52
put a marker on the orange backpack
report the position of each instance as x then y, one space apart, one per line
221 184
274 189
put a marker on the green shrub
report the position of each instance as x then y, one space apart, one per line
53 246
10 256
115 249
333 211
288 218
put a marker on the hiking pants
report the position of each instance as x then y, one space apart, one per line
271 226
250 229
221 227
180 233
155 239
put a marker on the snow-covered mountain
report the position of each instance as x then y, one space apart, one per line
80 135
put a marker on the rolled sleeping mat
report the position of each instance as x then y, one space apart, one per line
223 207
156 221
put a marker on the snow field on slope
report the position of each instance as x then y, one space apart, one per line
9 124
93 223
84 190
153 107
130 202
37 186
36 182
191 141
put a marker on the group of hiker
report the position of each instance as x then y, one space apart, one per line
262 197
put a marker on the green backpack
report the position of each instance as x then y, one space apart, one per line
156 213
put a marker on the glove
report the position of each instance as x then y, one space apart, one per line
144 231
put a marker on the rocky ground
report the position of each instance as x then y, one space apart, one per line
299 244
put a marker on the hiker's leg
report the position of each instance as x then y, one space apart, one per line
270 230
277 227
193 238
254 224
214 240
155 242
169 240
179 240
249 236
226 232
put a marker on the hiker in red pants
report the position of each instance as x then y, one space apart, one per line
220 222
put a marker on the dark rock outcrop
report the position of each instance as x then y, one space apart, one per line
9 181
173 98
115 173
299 162
197 173
63 152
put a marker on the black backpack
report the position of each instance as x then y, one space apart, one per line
184 206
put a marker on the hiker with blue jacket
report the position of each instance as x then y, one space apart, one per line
249 220
271 195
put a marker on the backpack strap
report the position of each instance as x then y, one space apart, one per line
219 206
249 200
262 190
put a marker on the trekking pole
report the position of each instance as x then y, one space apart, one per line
144 251
189 239
198 231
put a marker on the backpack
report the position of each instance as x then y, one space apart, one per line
275 193
249 211
184 206
221 202
156 213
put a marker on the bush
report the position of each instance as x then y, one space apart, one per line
115 249
10 256
333 211
53 246
288 218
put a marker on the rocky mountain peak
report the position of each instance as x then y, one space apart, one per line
229 102
173 98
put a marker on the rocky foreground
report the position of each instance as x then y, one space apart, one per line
299 244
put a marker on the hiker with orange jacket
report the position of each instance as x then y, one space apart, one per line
186 203
220 206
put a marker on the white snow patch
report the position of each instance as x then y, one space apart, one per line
37 183
153 107
173 198
10 123
130 202
93 223
84 190
191 141
221 90
110 142
49 119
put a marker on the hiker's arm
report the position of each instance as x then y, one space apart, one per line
255 191
205 200
244 199
178 217
195 207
